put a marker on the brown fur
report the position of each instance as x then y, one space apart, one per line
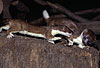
72 26
19 25
57 21
90 35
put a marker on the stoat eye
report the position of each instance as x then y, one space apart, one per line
84 38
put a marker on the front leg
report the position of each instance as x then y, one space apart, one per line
70 42
54 39
81 46
51 38
10 33
51 41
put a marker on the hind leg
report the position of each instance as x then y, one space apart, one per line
52 38
10 33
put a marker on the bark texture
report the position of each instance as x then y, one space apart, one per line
28 52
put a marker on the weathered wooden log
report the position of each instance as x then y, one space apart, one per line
1 6
28 52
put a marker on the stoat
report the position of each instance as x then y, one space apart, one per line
87 37
66 22
19 26
59 21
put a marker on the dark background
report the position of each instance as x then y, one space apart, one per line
73 5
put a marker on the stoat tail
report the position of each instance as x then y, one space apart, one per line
45 14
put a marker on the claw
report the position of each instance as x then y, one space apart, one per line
70 42
10 35
81 46
51 41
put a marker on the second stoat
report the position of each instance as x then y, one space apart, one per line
59 21
19 26
87 37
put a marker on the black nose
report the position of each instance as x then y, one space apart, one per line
90 43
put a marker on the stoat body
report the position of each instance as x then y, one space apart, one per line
84 38
19 26
59 21
76 37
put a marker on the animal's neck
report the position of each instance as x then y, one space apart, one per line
79 40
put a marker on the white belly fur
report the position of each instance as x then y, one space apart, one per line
30 33
79 41
6 27
55 32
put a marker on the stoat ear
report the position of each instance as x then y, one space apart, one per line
85 30
65 28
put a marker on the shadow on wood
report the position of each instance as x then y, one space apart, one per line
26 52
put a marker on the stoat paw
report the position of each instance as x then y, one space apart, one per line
70 44
51 41
81 46
10 36
55 38
87 47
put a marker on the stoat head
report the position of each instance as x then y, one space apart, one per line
89 37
